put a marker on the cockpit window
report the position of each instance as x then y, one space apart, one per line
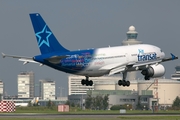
161 50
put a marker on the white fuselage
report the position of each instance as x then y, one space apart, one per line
106 58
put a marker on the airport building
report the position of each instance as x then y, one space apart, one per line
1 89
151 92
47 89
164 90
76 88
25 82
131 37
176 75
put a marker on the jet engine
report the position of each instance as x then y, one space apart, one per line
153 71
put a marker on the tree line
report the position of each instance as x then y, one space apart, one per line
99 102
176 104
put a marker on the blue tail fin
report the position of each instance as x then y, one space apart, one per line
47 42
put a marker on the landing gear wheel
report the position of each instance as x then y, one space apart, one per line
83 82
124 83
87 82
90 82
127 83
120 82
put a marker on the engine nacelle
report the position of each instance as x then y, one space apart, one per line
154 71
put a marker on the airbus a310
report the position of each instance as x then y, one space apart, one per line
95 62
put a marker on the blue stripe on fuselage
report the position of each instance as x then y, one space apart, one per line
76 62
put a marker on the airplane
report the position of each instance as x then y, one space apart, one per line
95 62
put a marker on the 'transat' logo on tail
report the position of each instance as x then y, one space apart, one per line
43 37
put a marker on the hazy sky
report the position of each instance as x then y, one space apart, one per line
81 24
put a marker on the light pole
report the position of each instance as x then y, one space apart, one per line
64 92
164 99
60 90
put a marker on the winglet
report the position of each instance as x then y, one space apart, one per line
173 56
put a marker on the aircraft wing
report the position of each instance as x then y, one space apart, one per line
22 58
117 68
173 57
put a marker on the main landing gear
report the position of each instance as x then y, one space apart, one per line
124 82
87 82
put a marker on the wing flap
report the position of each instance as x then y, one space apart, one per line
109 67
117 70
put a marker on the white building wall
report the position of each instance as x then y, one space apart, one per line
167 90
106 86
47 90
26 85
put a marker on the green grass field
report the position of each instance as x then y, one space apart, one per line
75 110
114 118
53 110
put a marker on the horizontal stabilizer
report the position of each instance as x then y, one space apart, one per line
22 58
14 56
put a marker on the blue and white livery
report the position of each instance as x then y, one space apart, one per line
95 62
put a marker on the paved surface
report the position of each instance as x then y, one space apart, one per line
37 115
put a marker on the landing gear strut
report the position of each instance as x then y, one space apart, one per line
145 73
87 82
147 78
124 82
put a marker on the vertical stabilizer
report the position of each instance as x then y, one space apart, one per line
46 40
